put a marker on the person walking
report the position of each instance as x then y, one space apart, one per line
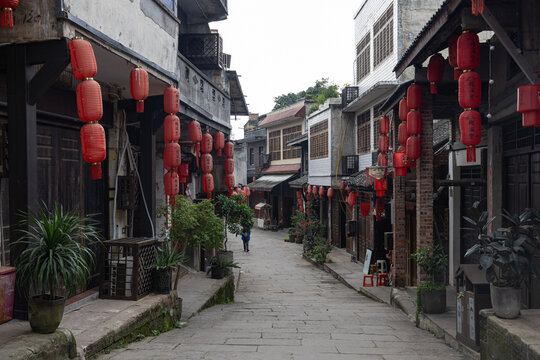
245 239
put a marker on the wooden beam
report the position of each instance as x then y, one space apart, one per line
46 76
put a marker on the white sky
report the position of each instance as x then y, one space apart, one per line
283 46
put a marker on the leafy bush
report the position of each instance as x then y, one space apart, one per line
319 250
433 261
237 215
168 255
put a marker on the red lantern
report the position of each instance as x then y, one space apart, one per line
299 194
414 97
315 190
260 192
402 133
309 190
379 207
414 123
400 161
229 165
171 128
330 193
171 100
93 147
529 105
365 207
207 163
402 148
469 90
381 186
403 109
247 191
322 191
342 187
229 149
83 61
384 143
219 142
172 156
208 185
183 172
138 81
382 159
385 125
470 125
171 184
452 55
468 51
229 181
89 103
351 199
195 133
7 7
435 71
413 148
207 143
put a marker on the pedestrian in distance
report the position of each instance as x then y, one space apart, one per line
245 239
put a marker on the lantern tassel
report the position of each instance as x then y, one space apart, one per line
140 106
471 154
208 195
96 171
7 18
433 88
219 153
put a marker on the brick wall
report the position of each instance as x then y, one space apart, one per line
400 253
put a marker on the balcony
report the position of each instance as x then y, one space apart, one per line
204 11
348 94
349 164
203 50
255 134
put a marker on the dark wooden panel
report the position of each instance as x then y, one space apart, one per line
469 196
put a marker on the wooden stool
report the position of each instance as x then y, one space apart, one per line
370 278
382 279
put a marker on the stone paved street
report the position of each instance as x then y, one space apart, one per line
287 309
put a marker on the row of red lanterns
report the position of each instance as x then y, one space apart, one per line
207 164
89 103
172 155
229 166
384 141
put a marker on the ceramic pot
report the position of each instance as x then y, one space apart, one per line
162 279
506 301
433 301
45 314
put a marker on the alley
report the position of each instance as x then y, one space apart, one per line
287 309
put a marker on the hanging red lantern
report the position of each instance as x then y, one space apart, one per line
381 186
260 192
183 172
342 187
379 208
7 7
138 83
89 102
402 133
469 90
83 61
247 191
414 123
470 125
382 159
401 148
229 149
384 143
330 193
309 190
171 128
208 185
414 98
171 100
207 143
195 132
229 181
413 148
207 163
452 55
529 105
229 165
322 191
172 156
171 184
400 161
299 194
385 125
351 199
435 71
365 207
403 109
94 147
219 142
468 51
315 190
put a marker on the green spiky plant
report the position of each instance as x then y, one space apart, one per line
57 251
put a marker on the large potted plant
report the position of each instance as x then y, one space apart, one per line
56 261
238 219
167 257
220 268
509 257
432 292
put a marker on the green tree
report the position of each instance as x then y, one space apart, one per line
319 93
237 215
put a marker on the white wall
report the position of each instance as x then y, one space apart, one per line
320 167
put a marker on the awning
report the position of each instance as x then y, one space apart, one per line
300 182
374 94
260 206
268 182
282 169
238 101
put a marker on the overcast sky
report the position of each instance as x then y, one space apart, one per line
283 46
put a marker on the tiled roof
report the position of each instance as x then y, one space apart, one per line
441 132
301 181
297 110
282 169
358 180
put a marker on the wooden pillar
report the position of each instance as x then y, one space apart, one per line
147 171
424 178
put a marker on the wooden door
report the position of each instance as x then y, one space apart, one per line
335 222
410 228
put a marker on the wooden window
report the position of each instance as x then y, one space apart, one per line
291 133
376 132
274 139
318 140
251 156
383 36
364 130
363 57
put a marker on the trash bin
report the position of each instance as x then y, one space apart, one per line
7 293
472 296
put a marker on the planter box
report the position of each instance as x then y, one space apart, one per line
7 293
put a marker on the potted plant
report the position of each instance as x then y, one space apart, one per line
319 249
238 219
508 256
433 261
56 261
219 268
166 259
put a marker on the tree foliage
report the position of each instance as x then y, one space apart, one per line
237 215
319 93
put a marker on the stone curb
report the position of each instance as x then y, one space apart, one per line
58 345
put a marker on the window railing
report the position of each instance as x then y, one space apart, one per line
349 164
